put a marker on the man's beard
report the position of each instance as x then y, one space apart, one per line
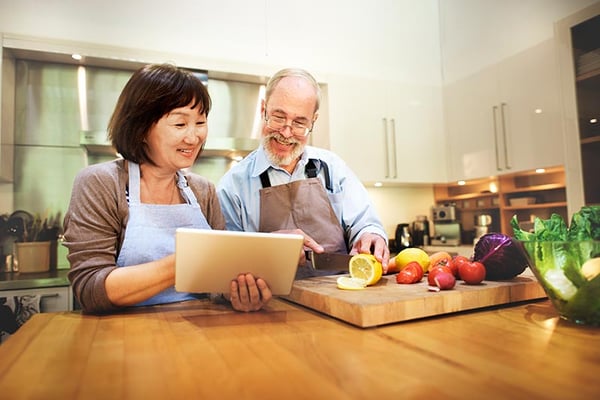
276 159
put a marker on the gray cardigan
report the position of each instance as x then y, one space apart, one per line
95 226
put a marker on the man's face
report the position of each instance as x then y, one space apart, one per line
293 101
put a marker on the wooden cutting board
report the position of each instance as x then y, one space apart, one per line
388 302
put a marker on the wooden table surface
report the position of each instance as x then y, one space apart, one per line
200 350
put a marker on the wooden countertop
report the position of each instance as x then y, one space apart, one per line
203 350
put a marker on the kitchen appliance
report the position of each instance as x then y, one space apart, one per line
420 231
446 227
444 213
403 237
482 225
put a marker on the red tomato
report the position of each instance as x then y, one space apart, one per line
436 270
411 273
456 261
472 273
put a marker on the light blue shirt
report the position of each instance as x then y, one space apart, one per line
238 192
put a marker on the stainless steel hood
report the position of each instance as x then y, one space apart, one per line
233 122
92 92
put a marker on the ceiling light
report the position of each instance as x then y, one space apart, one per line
538 110
461 183
540 170
77 57
378 184
593 120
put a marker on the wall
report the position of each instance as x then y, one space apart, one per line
396 205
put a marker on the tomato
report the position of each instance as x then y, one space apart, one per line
456 261
472 272
436 270
411 273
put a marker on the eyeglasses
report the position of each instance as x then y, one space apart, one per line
277 123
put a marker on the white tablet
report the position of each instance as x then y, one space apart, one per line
207 260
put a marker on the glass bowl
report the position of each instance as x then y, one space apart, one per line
569 272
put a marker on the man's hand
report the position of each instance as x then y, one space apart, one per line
368 241
249 294
309 244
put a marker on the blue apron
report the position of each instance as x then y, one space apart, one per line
150 232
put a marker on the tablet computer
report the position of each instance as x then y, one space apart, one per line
207 260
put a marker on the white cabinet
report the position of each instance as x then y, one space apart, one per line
505 118
52 299
358 125
387 131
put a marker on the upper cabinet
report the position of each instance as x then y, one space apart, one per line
505 118
502 106
578 40
386 117
388 132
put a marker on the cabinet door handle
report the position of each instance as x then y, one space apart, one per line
393 149
503 120
385 141
494 111
43 296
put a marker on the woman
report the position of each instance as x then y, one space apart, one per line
121 222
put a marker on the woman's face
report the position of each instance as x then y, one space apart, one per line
176 139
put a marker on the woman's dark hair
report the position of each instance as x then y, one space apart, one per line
151 92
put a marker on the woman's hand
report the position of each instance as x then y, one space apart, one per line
249 294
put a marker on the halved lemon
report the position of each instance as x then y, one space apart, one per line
349 283
366 267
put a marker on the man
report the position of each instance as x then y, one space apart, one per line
286 185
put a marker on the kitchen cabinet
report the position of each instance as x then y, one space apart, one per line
52 299
505 118
397 138
578 43
527 195
586 50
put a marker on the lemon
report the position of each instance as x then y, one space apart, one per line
366 267
413 254
348 283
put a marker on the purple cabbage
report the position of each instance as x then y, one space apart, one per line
502 257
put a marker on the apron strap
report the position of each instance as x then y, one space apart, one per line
310 170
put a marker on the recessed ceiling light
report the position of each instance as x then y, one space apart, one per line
77 57
593 120
461 183
378 184
540 170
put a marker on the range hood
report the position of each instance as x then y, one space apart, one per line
233 121
87 94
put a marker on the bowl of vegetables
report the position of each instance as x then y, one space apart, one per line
566 262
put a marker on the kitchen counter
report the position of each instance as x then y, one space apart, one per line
204 350
33 280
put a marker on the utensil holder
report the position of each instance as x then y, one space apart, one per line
31 257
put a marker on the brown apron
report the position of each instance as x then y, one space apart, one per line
302 205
